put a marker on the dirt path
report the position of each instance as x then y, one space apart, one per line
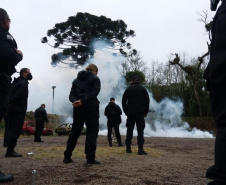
170 161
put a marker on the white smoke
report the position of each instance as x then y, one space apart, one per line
164 120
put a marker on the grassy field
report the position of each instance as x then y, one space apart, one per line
170 161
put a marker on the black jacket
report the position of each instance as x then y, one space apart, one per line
135 100
18 95
40 115
8 55
86 88
216 68
113 112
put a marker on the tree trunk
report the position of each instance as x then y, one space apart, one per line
197 98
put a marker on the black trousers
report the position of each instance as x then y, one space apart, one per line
5 83
15 126
218 105
220 150
91 119
137 119
117 132
6 134
38 130
5 116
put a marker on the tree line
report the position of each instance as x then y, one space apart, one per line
181 77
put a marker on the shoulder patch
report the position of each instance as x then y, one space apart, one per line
10 37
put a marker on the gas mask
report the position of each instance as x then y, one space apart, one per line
213 4
29 76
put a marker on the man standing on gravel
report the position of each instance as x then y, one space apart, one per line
216 79
10 56
16 108
113 113
40 119
135 103
83 95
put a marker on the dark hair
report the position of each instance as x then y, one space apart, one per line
3 14
23 70
43 105
112 99
92 68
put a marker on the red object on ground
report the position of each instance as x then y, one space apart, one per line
29 129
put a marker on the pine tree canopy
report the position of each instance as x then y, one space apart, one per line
81 35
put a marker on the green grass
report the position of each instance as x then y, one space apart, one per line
57 152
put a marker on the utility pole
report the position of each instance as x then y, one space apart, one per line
53 87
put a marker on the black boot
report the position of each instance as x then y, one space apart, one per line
218 178
11 153
216 183
67 157
120 143
91 162
141 150
128 149
5 178
67 160
110 144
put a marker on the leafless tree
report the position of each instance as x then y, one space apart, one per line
134 62
193 72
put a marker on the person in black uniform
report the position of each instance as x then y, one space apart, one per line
40 118
135 104
113 113
10 56
16 109
216 79
83 95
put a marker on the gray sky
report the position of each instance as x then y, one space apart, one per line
162 27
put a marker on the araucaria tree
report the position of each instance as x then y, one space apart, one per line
81 35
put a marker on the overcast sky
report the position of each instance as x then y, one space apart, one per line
162 27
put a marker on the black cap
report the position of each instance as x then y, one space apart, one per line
112 99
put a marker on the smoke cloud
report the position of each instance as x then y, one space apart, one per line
164 119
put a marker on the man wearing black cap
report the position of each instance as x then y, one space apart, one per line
135 103
113 113
216 79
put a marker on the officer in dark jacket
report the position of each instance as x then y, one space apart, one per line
216 80
113 113
17 107
40 118
135 104
83 95
10 56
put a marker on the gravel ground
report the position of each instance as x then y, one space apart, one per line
170 161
